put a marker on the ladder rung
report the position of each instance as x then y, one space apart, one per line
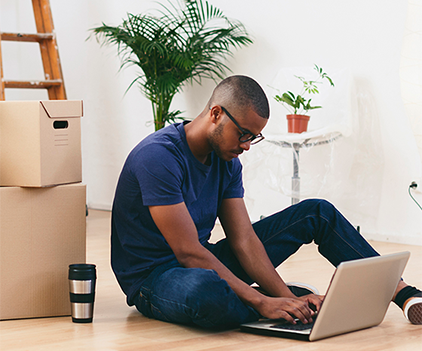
34 84
46 38
36 38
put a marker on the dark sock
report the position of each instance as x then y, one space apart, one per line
406 293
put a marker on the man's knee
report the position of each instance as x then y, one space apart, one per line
319 206
204 286
191 286
317 202
210 300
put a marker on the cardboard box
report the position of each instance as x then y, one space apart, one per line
40 143
42 231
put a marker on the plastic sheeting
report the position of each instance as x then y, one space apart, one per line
411 69
340 157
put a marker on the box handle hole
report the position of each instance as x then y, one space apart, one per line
60 124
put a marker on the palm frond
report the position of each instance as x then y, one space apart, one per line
182 45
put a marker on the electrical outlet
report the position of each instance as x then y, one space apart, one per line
416 187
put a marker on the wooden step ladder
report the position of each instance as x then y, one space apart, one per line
46 37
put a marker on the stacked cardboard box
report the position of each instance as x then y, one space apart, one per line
42 206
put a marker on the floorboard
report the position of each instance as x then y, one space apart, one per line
119 327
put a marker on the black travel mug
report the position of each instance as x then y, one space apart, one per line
82 279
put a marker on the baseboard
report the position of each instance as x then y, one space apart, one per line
397 239
97 206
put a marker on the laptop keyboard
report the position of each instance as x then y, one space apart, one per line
298 326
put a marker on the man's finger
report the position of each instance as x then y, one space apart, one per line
302 311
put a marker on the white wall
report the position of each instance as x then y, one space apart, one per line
364 36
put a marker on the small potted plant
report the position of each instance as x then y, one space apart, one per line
299 105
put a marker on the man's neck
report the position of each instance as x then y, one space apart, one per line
197 141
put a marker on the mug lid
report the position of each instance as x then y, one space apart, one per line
82 271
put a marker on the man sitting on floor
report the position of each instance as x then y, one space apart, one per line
174 185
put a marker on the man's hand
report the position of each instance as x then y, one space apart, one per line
179 230
290 308
313 301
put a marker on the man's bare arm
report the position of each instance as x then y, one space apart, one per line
250 251
176 225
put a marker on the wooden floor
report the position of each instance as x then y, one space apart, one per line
119 327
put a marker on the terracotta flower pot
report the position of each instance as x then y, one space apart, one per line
297 123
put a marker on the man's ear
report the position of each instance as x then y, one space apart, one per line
216 114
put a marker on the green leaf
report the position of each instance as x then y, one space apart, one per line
287 99
291 95
309 87
182 45
331 82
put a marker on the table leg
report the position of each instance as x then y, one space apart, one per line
295 178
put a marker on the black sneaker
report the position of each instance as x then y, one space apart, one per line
412 309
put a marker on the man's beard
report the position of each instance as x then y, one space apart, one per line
215 140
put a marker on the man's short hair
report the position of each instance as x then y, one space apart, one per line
239 93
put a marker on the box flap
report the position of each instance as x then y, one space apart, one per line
63 108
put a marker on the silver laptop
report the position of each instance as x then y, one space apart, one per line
358 297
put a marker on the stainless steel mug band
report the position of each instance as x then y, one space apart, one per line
81 286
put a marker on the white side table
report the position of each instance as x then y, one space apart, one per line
298 141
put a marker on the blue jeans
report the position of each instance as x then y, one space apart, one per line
199 296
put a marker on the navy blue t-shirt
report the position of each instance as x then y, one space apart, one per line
161 170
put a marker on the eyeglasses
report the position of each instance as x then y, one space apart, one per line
246 135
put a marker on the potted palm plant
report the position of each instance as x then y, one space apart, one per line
184 44
298 105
